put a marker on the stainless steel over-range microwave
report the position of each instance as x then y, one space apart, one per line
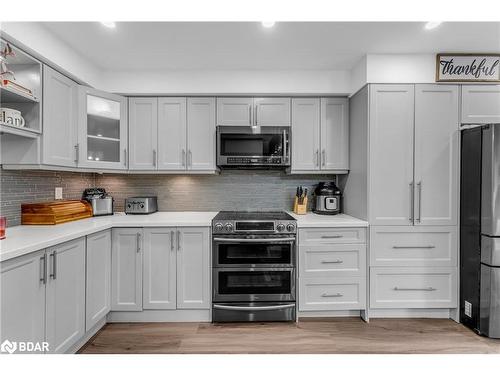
253 146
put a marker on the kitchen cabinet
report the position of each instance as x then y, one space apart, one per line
143 133
102 129
413 154
480 104
193 268
98 281
201 134
60 127
126 269
22 298
172 122
160 255
320 135
334 134
65 294
391 154
253 111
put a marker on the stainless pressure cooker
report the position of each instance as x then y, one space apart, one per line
327 199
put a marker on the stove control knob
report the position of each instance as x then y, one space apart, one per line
219 227
280 227
290 227
229 227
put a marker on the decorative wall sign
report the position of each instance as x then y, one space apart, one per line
467 67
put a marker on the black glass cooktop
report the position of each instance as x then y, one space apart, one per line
253 215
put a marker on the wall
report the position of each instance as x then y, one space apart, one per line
411 68
19 187
236 190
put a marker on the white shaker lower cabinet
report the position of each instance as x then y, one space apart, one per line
193 268
332 269
22 298
65 293
159 281
98 293
126 269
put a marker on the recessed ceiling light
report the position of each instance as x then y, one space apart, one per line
432 25
110 25
268 24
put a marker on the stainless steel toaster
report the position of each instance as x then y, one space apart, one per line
141 205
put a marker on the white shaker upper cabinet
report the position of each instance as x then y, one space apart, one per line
235 111
143 133
193 268
22 298
98 293
272 111
305 134
126 269
201 134
334 134
172 153
436 154
59 140
160 255
102 129
391 154
480 104
65 323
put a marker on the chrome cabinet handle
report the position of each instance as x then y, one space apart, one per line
323 155
53 272
125 157
183 157
256 112
77 153
333 236
178 240
429 289
138 239
419 190
172 240
43 268
316 158
412 207
332 295
414 247
250 115
338 261
190 158
154 158
253 308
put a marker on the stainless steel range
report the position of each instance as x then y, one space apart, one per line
254 258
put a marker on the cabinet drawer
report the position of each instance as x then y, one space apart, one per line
413 287
319 236
429 246
332 260
339 293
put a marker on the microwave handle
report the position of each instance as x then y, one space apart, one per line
253 308
285 153
259 240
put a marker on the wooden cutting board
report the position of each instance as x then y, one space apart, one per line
55 212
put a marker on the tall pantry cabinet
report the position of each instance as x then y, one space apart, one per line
410 177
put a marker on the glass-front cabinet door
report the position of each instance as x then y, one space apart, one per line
102 130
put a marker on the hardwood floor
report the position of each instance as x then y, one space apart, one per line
336 335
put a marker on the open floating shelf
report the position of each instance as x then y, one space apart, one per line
9 95
21 132
103 138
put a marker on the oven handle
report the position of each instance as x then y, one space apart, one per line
255 308
261 240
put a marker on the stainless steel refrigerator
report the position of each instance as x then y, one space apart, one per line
480 230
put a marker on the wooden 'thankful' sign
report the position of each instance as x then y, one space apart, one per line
466 67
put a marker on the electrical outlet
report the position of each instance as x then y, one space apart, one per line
468 309
58 193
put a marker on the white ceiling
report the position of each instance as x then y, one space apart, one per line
154 46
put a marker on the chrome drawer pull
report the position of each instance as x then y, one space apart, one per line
334 236
332 261
429 289
414 247
332 295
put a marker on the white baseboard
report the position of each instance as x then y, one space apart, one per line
159 316
88 335
409 313
328 314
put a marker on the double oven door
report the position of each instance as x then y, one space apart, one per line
253 268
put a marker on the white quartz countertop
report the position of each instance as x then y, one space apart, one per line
312 220
24 239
